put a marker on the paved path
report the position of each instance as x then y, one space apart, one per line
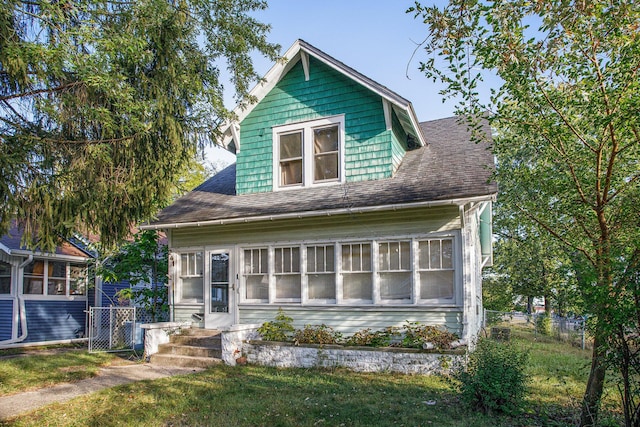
16 404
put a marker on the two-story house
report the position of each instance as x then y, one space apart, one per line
341 209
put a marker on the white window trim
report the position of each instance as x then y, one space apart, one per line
307 128
415 299
45 282
455 268
179 276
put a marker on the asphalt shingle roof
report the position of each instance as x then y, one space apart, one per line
450 167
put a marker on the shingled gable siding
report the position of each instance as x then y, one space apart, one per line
327 93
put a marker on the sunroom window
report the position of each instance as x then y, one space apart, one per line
256 274
287 273
436 269
321 278
394 267
357 278
308 153
191 278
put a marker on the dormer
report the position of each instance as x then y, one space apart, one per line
317 122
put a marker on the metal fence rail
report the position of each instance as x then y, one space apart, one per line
566 328
112 329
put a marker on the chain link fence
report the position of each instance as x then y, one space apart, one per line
570 329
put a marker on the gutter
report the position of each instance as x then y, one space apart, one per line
22 313
325 212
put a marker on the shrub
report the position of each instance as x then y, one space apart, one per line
280 329
543 324
369 338
314 334
494 380
416 335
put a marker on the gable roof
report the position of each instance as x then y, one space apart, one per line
450 170
11 243
300 51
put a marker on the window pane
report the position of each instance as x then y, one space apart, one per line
291 172
288 286
192 290
383 256
36 268
322 286
447 253
357 286
34 278
56 286
5 278
220 268
436 284
311 259
257 287
423 255
78 280
184 264
405 256
396 286
434 249
325 140
33 286
326 167
329 254
291 146
197 270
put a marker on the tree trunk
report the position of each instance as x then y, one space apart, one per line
595 385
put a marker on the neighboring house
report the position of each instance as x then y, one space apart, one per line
43 296
342 209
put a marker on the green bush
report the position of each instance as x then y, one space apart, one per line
416 335
543 324
369 338
493 380
316 334
280 329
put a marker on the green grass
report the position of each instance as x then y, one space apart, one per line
21 372
260 396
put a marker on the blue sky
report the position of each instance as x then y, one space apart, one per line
375 37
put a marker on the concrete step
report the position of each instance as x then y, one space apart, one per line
196 340
190 350
183 361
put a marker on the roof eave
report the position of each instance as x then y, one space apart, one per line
321 213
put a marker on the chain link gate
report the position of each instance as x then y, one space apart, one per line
112 329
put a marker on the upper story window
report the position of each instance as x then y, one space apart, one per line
54 278
309 153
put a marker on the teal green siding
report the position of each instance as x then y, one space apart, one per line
368 145
398 143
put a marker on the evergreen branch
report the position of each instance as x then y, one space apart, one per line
40 91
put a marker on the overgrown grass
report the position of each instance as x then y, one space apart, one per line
259 396
20 371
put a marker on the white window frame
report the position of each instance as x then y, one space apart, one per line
45 280
371 273
454 269
410 271
376 300
305 273
307 128
180 276
243 274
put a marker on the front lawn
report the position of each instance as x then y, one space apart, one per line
37 368
259 396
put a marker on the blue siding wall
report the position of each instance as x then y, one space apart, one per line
6 319
55 320
109 291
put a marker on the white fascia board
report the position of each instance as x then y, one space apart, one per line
5 249
47 255
327 212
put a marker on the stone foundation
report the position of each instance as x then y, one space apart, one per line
361 359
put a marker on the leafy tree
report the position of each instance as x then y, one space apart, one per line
143 263
567 117
103 102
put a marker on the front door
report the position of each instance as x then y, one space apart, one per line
219 290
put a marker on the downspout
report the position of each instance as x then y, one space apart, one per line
21 309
